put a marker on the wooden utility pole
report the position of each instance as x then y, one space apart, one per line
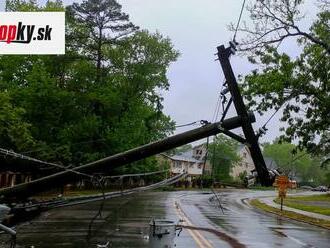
253 145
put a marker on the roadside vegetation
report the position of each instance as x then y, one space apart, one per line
298 164
291 215
100 98
293 86
222 156
316 204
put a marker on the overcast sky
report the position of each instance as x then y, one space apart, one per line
196 28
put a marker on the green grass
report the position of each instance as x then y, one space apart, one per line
323 197
291 202
291 215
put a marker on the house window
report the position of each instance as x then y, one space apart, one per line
198 152
178 164
200 166
191 165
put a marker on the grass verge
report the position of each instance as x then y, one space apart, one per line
303 205
323 197
291 215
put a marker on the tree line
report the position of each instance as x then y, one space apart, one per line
100 98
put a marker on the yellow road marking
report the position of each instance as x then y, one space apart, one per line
197 236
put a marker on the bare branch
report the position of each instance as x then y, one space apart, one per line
273 22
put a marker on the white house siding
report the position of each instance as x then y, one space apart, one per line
195 168
185 166
245 164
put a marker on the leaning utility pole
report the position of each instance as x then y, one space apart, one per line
252 141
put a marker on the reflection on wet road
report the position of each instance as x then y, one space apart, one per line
251 227
124 222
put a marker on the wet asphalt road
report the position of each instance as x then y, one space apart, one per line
124 222
251 227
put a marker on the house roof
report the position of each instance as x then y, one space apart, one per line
185 156
200 145
270 163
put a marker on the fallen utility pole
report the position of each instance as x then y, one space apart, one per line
244 120
257 157
109 163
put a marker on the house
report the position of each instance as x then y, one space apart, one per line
191 161
246 165
199 153
10 178
185 162
14 171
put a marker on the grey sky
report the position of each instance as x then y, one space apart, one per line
196 28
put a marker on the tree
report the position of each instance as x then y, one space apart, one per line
96 24
71 118
285 158
298 85
14 130
222 155
299 165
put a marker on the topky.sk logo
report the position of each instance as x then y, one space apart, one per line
21 33
32 33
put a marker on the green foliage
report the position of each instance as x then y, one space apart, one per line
242 176
299 85
14 130
305 206
298 164
98 26
289 214
222 155
71 110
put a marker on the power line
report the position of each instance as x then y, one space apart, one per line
239 20
187 124
219 102
216 110
263 128
24 157
136 175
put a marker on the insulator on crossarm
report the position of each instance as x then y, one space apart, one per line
233 48
224 91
